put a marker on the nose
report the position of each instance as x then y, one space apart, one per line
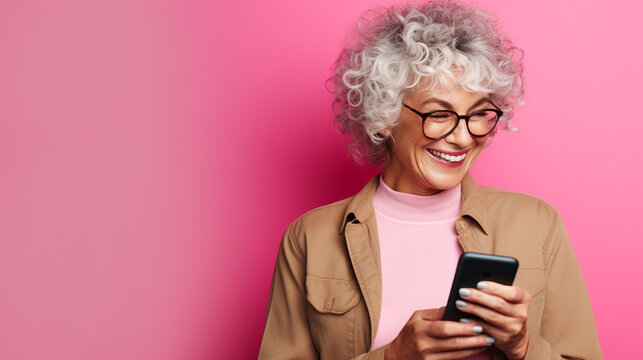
460 136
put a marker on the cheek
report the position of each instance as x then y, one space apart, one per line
478 149
409 145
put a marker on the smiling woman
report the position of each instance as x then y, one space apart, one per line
422 91
434 153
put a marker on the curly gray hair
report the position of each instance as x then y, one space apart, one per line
396 48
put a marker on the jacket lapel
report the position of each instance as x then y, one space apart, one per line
360 232
473 226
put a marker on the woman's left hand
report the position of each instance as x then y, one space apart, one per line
504 311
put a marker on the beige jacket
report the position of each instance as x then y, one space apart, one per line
325 299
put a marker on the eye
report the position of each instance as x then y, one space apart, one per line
482 115
440 116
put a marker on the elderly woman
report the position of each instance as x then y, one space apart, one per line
422 92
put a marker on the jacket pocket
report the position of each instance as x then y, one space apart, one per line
332 315
333 296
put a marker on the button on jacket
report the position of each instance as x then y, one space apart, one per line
325 298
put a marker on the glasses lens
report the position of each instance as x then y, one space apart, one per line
439 123
482 122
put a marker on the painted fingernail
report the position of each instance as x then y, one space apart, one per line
482 286
466 321
477 329
464 292
460 303
490 340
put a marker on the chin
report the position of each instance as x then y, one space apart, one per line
446 186
443 183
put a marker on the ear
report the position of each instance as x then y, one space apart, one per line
385 133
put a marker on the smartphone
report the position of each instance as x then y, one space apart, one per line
475 267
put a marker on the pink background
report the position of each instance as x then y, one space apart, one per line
152 154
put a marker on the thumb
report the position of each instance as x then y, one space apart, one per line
432 314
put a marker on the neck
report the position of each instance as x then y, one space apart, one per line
400 183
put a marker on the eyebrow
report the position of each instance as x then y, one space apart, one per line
448 105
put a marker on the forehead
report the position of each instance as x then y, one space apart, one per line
451 92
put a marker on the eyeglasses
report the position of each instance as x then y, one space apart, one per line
439 124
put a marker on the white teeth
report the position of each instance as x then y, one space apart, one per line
449 158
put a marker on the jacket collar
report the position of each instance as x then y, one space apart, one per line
474 205
360 206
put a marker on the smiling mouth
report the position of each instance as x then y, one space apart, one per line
446 157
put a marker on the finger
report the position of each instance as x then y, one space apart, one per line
486 314
487 329
493 302
512 294
454 343
455 354
446 329
502 333
504 338
429 314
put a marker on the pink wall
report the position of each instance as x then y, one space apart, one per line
152 154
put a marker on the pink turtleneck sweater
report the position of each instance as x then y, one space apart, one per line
420 252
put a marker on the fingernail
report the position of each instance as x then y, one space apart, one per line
464 292
460 303
477 329
466 321
490 340
482 286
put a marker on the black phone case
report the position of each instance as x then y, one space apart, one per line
475 267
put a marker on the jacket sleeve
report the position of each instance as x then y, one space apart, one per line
567 328
287 334
377 354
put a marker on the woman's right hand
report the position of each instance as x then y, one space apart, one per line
426 336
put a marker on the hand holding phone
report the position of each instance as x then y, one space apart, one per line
473 268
